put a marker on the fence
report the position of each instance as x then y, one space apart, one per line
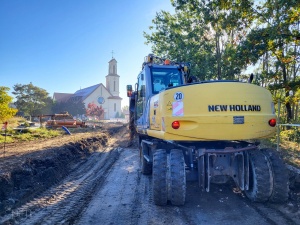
278 126
278 131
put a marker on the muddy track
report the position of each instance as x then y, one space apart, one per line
63 202
126 198
109 188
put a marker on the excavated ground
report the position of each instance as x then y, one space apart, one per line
93 177
29 168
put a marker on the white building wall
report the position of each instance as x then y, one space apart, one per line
93 97
112 111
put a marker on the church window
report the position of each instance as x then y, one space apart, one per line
101 100
114 69
114 85
115 107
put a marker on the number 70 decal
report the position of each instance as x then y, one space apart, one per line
178 96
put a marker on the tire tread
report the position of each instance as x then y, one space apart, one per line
177 177
159 179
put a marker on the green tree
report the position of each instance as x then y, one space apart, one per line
47 109
205 33
125 108
117 115
221 38
30 99
122 115
182 37
274 43
6 112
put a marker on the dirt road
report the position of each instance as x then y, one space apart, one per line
109 188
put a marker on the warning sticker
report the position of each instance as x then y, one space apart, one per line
169 106
178 96
177 109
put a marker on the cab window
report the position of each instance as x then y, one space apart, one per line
165 77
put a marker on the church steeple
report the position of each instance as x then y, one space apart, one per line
112 79
112 68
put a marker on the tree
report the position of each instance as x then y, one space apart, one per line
125 108
274 43
94 110
181 37
205 33
47 109
6 112
221 38
117 115
30 99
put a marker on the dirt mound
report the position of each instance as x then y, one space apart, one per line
31 172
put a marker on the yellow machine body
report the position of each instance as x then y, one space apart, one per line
212 111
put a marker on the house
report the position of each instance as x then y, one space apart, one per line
106 96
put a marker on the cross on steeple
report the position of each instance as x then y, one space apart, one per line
112 54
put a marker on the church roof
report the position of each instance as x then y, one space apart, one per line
61 97
84 93
113 59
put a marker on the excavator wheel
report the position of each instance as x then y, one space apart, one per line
159 177
177 177
280 175
146 168
260 177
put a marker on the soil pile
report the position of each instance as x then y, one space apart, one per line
30 168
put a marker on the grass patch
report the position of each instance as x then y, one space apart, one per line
15 121
289 150
29 135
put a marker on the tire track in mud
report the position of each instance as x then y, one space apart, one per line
126 198
109 188
272 213
113 203
63 203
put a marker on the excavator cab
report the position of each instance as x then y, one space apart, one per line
165 77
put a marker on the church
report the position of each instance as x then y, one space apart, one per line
106 96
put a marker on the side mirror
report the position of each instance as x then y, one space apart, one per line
129 90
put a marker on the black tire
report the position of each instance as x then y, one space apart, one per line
146 168
260 178
280 192
159 179
177 177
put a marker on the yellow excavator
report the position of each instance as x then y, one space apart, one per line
203 130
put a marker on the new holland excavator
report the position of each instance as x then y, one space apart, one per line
207 131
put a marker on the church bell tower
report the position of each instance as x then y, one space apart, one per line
112 79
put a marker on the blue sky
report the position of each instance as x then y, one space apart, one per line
65 45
